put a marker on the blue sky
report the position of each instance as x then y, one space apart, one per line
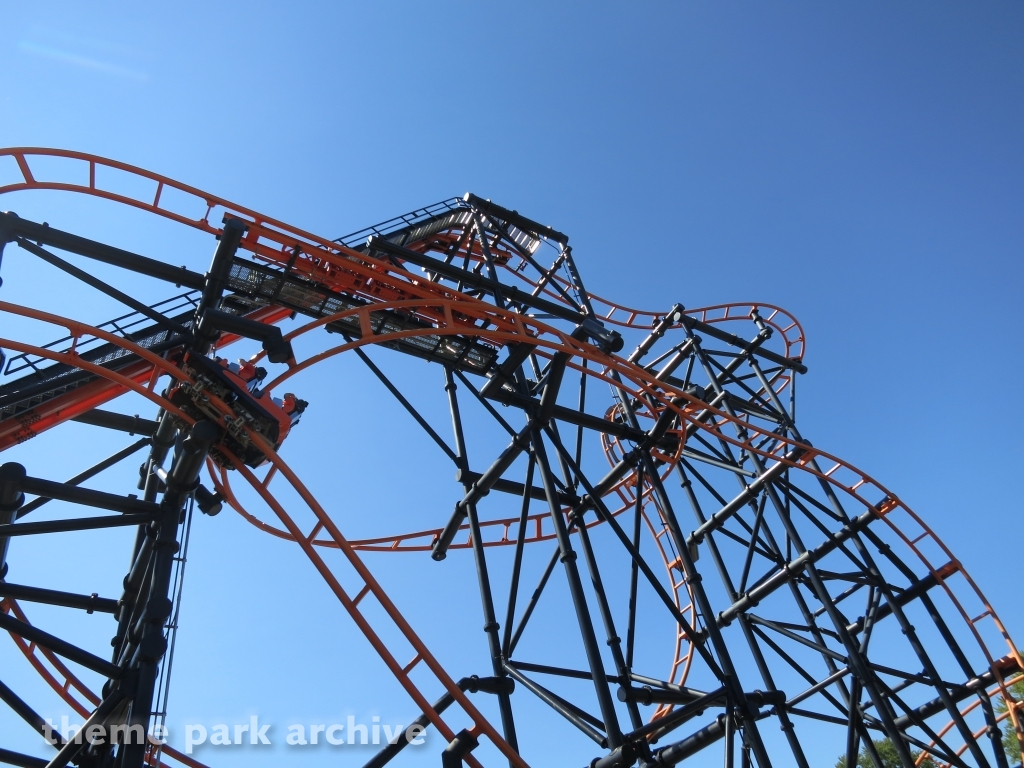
861 165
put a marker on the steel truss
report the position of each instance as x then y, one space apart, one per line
807 599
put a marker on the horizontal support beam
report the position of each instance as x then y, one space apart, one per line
709 330
544 669
58 646
568 415
747 495
81 477
513 488
88 497
94 282
14 226
689 453
133 425
473 280
515 218
673 720
88 603
1007 667
648 695
756 594
912 592
676 753
75 524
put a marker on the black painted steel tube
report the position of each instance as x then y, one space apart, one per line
81 477
75 524
58 646
26 713
480 489
102 287
87 497
133 425
89 603
12 477
47 235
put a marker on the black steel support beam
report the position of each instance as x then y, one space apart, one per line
745 496
88 603
914 591
479 489
1007 667
568 557
513 488
47 235
608 340
70 749
515 218
102 287
735 341
405 403
510 646
58 646
581 719
148 626
491 625
76 524
11 498
472 684
29 715
612 639
216 280
594 497
568 415
87 497
277 348
133 425
9 757
517 563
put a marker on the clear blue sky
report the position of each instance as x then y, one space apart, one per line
860 164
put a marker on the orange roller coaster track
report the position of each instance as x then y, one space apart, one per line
803 594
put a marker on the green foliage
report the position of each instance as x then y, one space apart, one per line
1010 743
887 752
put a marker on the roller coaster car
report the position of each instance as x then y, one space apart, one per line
237 385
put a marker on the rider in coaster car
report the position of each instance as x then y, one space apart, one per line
293 406
250 375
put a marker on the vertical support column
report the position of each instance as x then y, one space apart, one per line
11 498
491 625
148 629
579 599
613 640
217 279
485 249
577 281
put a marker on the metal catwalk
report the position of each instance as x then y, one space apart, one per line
804 595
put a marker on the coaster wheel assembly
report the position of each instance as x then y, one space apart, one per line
730 588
